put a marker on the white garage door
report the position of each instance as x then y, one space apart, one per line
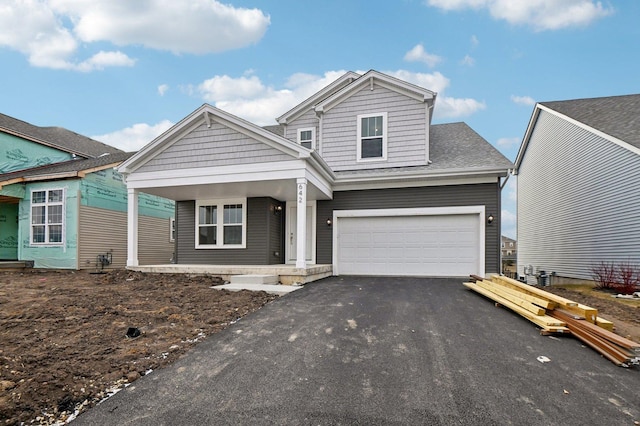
433 245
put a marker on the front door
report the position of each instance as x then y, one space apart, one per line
8 231
292 223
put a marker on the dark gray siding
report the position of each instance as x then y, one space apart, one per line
487 195
264 237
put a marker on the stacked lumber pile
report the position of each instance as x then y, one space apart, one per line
555 314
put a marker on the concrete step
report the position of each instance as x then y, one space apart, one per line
254 279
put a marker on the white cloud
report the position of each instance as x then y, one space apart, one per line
523 100
135 137
162 89
508 143
541 15
509 207
251 99
50 32
468 61
474 41
418 54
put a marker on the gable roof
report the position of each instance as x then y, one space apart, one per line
419 93
311 101
455 149
55 137
618 116
65 169
207 114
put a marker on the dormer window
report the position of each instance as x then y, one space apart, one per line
372 137
307 137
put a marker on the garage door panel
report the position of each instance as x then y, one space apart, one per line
436 245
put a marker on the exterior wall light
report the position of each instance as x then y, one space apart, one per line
277 209
490 218
329 222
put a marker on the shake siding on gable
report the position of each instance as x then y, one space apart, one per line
306 120
578 200
211 147
406 128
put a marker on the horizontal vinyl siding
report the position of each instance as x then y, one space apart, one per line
211 147
305 121
406 128
578 200
264 229
487 195
104 230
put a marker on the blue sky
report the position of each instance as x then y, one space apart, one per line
123 71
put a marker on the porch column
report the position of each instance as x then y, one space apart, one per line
132 227
301 230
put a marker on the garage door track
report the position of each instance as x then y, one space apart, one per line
379 351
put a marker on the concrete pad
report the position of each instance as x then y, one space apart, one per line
254 279
269 288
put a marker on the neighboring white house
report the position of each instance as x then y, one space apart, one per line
355 178
578 173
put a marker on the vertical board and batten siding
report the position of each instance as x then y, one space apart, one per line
578 200
264 237
487 195
406 127
102 230
213 147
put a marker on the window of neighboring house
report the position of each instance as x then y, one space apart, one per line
372 137
221 223
172 229
510 244
47 216
307 137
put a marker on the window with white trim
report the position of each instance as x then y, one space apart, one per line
372 137
307 137
172 229
47 217
221 223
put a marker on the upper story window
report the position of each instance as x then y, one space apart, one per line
372 137
221 223
47 217
307 137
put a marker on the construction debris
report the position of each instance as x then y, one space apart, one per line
555 314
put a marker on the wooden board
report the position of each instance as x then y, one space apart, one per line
543 303
518 299
535 291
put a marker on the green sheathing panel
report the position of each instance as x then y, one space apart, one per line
63 256
105 189
16 190
18 154
8 231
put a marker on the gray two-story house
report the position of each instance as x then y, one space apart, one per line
355 179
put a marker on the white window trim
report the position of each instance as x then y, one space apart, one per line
46 225
220 203
359 158
172 227
313 136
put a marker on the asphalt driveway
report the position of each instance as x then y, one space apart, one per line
373 351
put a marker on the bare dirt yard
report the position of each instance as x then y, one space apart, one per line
63 335
64 344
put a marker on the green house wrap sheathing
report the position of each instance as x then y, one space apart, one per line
100 190
19 154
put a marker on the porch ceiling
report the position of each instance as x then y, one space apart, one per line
282 189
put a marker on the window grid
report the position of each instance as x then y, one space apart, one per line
47 216
220 224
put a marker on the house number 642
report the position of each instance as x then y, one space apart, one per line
300 194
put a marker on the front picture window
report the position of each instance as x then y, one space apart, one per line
221 224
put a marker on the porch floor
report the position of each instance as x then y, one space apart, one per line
287 274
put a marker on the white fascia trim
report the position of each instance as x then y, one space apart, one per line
595 131
419 211
307 104
319 182
413 183
455 173
400 86
222 174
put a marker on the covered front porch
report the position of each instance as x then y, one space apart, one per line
287 274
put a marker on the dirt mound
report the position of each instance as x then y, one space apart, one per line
64 335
